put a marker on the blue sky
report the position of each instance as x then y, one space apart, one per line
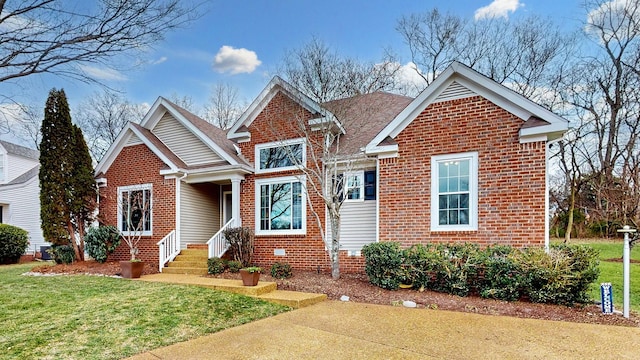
242 43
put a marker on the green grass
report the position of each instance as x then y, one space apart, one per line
91 317
611 272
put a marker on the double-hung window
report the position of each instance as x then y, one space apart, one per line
280 156
134 209
454 192
282 206
354 186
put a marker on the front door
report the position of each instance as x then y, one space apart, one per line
226 207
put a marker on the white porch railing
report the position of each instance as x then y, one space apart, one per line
218 244
169 249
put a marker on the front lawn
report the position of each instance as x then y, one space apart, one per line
93 317
611 272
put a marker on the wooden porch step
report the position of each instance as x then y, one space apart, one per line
197 246
195 252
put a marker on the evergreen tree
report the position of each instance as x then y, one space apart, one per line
55 168
67 187
83 191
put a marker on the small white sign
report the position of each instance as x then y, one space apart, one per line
279 252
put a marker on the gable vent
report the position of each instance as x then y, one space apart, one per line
453 92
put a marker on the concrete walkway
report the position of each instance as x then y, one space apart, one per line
337 330
264 290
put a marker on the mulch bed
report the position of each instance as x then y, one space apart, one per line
358 289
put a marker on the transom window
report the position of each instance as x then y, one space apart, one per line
454 192
281 207
134 209
285 155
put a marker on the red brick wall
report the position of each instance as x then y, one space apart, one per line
278 121
137 165
511 176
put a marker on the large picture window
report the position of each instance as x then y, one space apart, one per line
134 209
454 192
286 155
280 206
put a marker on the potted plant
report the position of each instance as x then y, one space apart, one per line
250 275
136 203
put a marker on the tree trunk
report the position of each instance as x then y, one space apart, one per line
335 247
572 206
72 240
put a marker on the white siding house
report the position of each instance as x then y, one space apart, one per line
20 191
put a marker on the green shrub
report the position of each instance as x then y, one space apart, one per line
383 264
234 266
215 265
502 276
420 265
13 243
281 270
561 277
101 241
63 254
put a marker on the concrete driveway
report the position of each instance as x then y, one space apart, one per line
344 330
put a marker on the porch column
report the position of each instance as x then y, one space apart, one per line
235 200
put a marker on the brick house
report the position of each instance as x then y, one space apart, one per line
464 161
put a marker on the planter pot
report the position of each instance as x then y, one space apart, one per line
248 278
131 269
406 286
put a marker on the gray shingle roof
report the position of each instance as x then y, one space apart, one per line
19 150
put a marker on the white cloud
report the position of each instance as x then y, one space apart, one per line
235 61
159 61
609 16
103 73
498 8
410 80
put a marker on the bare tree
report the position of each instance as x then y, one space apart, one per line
601 88
526 54
102 116
324 75
224 106
349 92
55 37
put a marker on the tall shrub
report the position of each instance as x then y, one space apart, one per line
240 241
102 241
13 243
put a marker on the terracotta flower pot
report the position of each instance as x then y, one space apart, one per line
131 269
249 278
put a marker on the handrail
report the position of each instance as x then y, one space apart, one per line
218 245
169 249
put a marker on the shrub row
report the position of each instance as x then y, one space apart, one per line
217 265
561 276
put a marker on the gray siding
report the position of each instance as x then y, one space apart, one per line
183 142
358 224
18 165
199 212
21 207
133 140
454 91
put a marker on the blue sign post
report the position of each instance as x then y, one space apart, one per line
606 295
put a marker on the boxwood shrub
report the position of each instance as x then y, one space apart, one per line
13 243
215 265
561 276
